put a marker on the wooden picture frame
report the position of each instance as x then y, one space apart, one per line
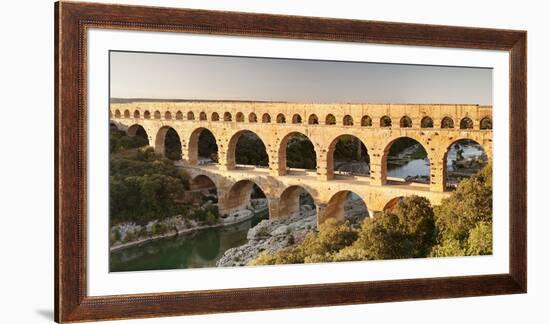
72 20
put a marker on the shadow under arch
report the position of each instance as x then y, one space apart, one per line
313 120
168 143
305 163
233 146
486 123
138 130
293 201
202 182
240 194
338 143
427 122
346 205
196 149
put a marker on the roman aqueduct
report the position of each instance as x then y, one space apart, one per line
435 127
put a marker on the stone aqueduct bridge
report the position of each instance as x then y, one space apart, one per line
436 127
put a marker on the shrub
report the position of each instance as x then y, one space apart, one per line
143 187
464 220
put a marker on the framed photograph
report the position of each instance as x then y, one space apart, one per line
212 161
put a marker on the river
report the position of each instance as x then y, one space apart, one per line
195 250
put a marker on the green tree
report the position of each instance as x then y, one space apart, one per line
407 231
143 186
379 238
251 150
172 145
300 153
464 220
208 148
349 148
480 239
118 141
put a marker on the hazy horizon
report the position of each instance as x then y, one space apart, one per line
160 76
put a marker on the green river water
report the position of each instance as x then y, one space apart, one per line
194 250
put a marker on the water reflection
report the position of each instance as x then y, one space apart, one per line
196 250
463 159
413 168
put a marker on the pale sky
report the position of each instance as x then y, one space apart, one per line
181 76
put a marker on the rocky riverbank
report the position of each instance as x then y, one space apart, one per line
270 236
130 234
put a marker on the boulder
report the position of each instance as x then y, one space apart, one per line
269 236
280 230
259 230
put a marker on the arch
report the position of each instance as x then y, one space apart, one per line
202 116
190 115
202 147
313 119
346 205
293 201
227 116
215 117
405 122
117 113
385 121
447 122
147 114
240 195
351 155
486 123
179 115
202 182
366 121
296 119
157 114
463 158
330 120
168 143
281 119
136 113
266 118
167 115
206 186
252 118
466 123
239 117
251 150
405 160
427 122
392 203
348 120
303 154
126 113
136 130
